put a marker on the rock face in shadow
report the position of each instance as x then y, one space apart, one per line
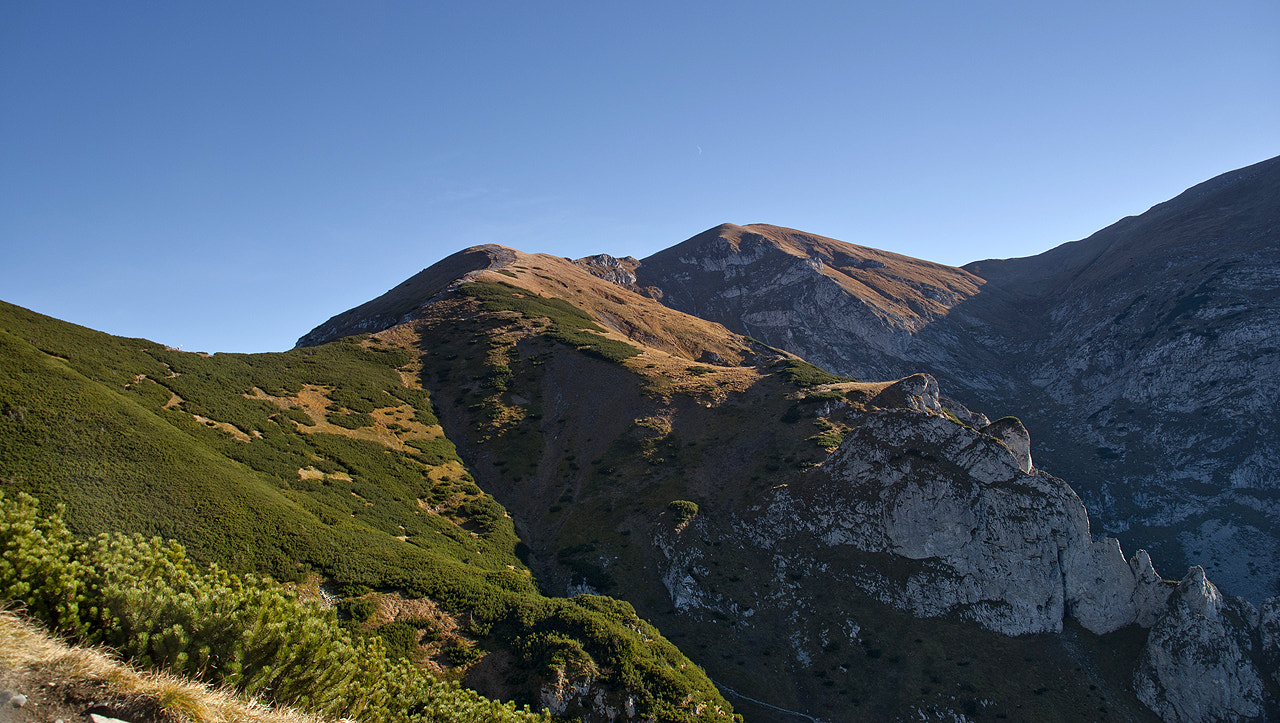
938 519
1015 436
961 528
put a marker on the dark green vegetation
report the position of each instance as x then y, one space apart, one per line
147 601
682 510
220 453
803 374
98 433
568 323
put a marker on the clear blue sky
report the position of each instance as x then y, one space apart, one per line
223 176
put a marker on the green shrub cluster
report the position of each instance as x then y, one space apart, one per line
568 324
803 374
146 600
435 451
682 510
831 395
357 610
828 436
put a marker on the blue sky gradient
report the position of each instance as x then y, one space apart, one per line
225 176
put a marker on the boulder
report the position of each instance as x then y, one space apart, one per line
1015 437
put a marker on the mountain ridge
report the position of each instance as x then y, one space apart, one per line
728 252
856 546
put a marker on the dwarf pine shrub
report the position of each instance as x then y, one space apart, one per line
145 599
682 510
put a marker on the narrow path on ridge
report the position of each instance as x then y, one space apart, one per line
770 706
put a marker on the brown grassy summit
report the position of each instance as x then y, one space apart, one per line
639 319
625 314
905 290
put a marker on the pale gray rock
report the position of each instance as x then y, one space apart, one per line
985 538
1151 593
977 534
1269 635
582 696
620 271
935 518
977 420
1101 586
918 392
1015 437
1196 665
680 574
1105 592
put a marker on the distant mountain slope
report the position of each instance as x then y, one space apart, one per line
811 295
629 316
1146 358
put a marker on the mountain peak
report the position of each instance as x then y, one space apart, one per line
396 305
762 280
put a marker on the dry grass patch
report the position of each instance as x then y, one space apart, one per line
56 676
629 316
313 473
666 375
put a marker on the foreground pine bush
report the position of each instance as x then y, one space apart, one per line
145 599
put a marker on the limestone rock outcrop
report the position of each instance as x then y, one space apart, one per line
917 392
621 271
1105 592
1198 662
584 696
964 526
937 518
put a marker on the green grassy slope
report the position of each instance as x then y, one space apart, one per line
81 429
232 456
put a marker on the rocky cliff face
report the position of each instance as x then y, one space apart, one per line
1154 373
1146 357
938 519
957 525
1201 659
